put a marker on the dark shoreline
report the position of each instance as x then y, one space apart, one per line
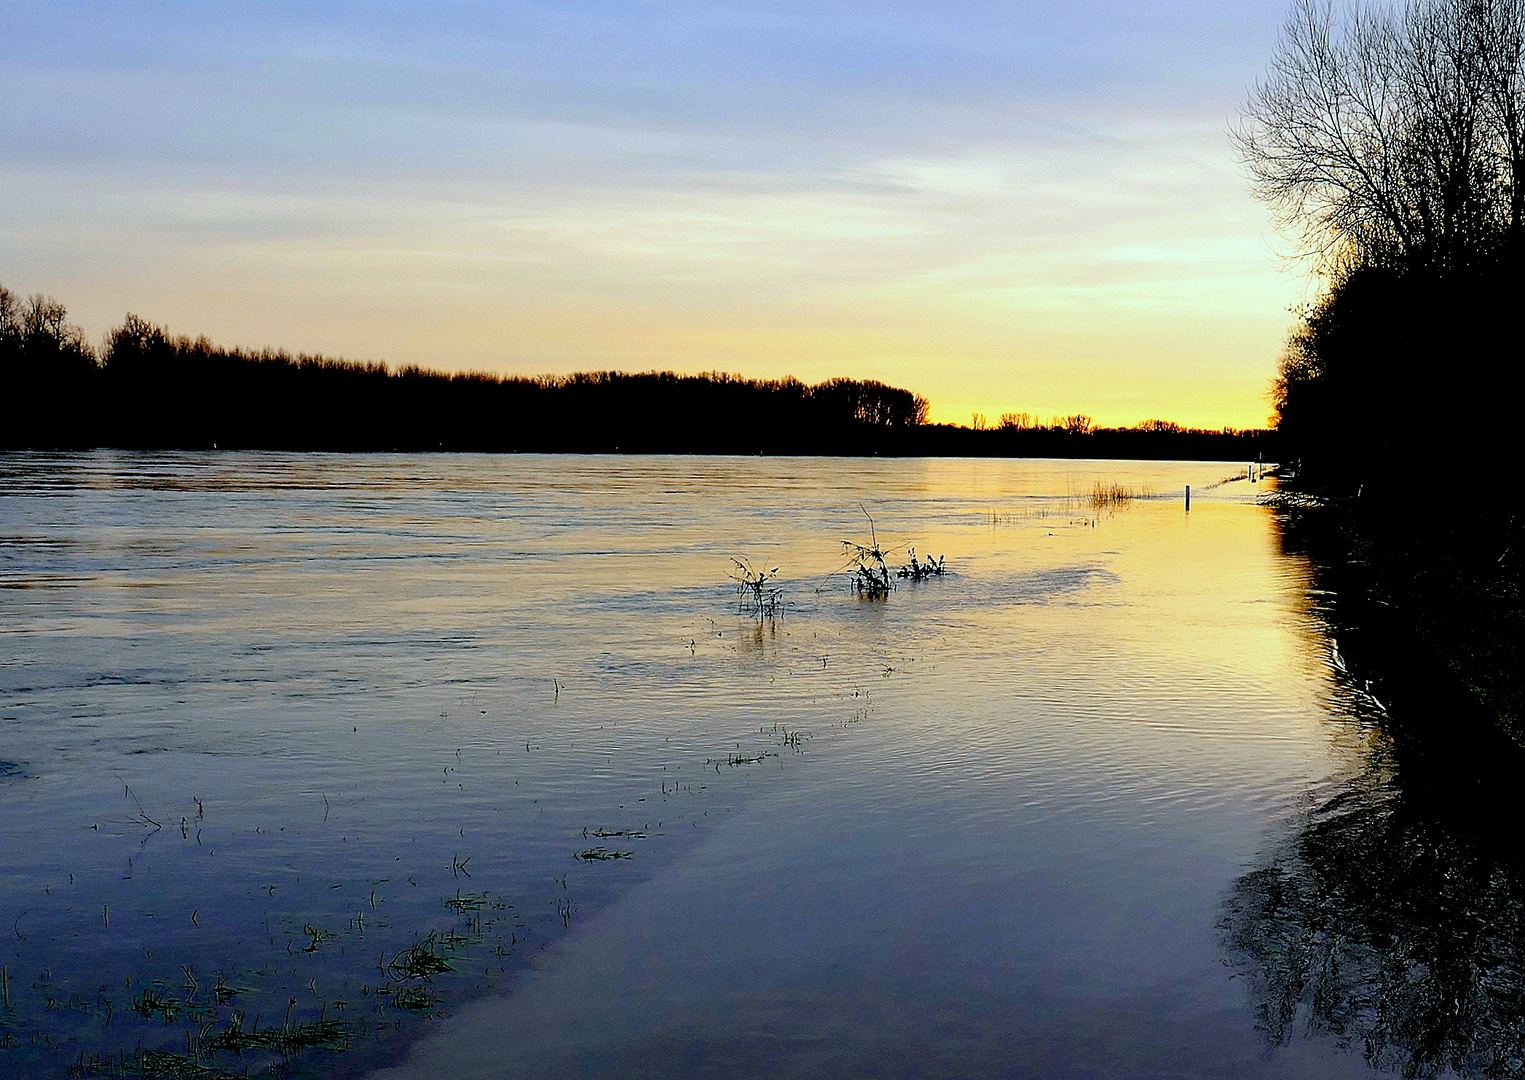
930 441
1429 616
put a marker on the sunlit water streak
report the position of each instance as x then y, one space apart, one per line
279 718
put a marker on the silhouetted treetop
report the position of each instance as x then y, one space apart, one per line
48 371
1394 135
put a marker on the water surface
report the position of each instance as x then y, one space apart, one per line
285 735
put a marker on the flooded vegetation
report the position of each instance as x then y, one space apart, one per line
319 765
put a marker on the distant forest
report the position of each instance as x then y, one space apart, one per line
146 389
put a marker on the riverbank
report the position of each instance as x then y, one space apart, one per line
1427 607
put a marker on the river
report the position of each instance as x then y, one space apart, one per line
476 766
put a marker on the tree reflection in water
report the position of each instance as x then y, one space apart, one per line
1393 919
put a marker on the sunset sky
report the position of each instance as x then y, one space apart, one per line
1009 206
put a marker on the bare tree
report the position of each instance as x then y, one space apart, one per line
1387 135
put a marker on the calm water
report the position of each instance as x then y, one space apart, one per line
471 766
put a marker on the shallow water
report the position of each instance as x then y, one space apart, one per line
285 731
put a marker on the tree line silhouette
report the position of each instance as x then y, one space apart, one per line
148 389
145 388
1390 141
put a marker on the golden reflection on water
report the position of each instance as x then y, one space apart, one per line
1175 635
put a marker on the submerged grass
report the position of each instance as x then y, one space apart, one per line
152 1003
419 961
603 854
472 901
412 998
154 1065
734 760
319 1034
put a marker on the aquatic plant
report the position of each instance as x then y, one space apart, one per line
602 854
316 937
153 1065
920 571
869 569
223 993
755 596
866 565
319 1034
418 961
794 739
152 1002
1112 495
739 759
413 998
472 901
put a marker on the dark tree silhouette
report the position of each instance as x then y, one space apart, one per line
1390 917
1395 135
1391 142
49 373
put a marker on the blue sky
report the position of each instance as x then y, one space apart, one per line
1022 206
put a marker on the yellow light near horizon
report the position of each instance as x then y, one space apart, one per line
988 283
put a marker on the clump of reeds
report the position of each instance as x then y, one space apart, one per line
866 565
322 1034
1286 499
1111 496
870 574
734 760
461 902
154 1064
993 517
869 569
754 594
414 998
794 739
152 1003
917 570
419 961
